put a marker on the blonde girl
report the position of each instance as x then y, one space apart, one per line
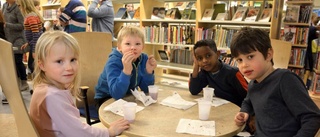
56 83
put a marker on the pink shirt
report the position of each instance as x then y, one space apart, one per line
54 114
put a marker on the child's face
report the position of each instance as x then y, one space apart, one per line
207 59
60 65
254 66
132 44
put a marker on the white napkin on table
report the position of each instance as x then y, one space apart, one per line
176 101
116 107
216 101
196 127
146 100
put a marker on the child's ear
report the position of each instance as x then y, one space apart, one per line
218 53
270 54
40 64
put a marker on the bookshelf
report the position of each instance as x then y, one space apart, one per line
168 71
49 9
296 26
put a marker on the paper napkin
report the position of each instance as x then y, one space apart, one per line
146 100
116 107
196 127
176 101
216 101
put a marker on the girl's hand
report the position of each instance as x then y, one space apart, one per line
151 64
118 127
241 118
127 60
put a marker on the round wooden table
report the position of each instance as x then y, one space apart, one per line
161 121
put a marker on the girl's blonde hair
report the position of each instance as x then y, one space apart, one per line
44 44
130 30
27 6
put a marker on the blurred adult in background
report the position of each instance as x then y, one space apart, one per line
74 17
14 31
102 14
2 35
130 10
56 23
33 27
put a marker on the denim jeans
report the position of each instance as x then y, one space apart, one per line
21 69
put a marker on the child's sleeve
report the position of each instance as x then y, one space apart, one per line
197 84
146 78
300 105
62 112
241 85
118 82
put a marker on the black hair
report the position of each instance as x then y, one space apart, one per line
206 42
248 40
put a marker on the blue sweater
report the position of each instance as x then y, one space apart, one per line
228 83
114 83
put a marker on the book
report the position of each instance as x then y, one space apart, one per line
289 34
252 14
207 14
265 15
193 15
186 14
137 14
191 5
240 14
221 16
163 55
175 14
292 14
218 8
168 14
121 14
158 13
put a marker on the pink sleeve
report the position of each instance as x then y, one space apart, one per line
66 117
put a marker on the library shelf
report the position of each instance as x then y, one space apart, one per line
175 66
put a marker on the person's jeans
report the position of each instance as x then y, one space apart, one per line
21 69
30 61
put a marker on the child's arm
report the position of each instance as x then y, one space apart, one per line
147 76
197 79
300 104
241 85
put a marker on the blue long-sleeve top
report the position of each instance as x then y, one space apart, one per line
116 84
228 83
282 106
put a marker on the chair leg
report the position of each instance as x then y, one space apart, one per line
86 106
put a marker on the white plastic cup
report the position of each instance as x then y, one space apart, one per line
129 111
208 93
204 109
153 91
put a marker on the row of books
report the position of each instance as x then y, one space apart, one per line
298 71
297 56
250 14
222 36
181 56
298 13
167 33
295 35
50 14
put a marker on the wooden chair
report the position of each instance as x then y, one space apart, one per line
281 53
9 84
95 49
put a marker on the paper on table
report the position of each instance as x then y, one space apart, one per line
146 100
196 127
216 101
116 107
176 101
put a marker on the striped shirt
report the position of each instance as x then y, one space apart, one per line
75 16
33 29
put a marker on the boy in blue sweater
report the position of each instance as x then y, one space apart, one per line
277 97
127 67
227 81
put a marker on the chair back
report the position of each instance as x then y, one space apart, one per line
281 53
9 85
95 49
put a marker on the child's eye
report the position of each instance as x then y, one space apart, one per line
127 43
199 58
73 60
239 60
208 56
138 44
250 56
59 61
